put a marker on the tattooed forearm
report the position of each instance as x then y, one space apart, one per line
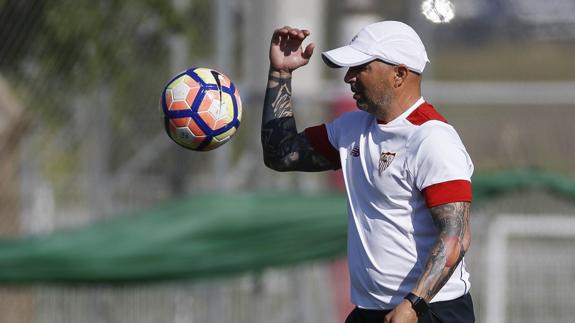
452 221
277 102
284 149
278 123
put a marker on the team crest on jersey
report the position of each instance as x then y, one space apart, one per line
355 151
385 160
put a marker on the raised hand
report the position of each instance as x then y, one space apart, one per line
286 52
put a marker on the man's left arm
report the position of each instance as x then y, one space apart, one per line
452 222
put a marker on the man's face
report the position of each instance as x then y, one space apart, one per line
372 85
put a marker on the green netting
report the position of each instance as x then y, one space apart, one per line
493 185
212 235
209 235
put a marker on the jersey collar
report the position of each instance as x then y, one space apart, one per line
405 113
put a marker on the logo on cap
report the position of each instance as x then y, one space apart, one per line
354 38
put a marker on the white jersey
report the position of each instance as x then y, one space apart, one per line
393 174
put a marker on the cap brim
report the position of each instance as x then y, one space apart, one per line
345 56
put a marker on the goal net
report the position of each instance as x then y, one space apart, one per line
530 269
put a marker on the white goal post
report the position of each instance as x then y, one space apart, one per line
503 228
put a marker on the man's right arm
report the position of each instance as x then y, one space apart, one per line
284 148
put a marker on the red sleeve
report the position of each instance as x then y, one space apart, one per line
317 137
447 192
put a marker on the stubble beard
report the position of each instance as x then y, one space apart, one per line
380 105
376 102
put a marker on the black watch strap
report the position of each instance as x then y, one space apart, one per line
418 304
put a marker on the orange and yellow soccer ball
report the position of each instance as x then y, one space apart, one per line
202 109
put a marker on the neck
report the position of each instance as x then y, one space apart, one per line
398 106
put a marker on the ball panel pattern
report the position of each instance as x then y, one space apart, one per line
202 109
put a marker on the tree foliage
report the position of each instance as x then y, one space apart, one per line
52 47
62 55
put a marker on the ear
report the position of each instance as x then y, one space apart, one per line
400 75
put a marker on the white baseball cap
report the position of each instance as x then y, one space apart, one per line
390 41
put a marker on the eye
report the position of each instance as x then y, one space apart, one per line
363 67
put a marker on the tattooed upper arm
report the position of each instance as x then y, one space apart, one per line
452 220
284 148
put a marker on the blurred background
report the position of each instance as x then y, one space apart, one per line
104 219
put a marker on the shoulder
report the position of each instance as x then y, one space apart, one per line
434 130
424 114
434 138
430 126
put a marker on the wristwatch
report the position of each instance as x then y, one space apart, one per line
417 303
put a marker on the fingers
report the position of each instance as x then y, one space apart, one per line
298 33
283 31
308 51
286 50
388 318
290 33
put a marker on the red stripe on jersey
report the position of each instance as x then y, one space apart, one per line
425 112
317 137
447 192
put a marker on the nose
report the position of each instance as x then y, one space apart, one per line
350 76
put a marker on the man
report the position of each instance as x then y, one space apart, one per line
406 172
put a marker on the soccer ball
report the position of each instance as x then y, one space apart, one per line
201 108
